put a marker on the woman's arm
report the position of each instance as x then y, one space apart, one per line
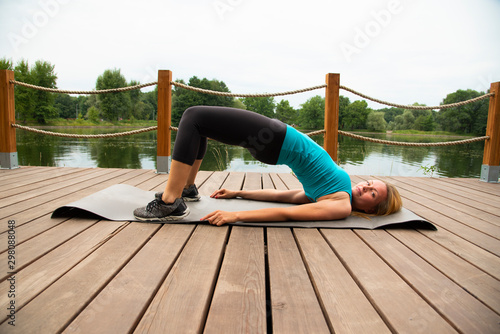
296 196
329 209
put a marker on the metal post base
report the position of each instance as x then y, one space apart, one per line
490 173
8 160
163 164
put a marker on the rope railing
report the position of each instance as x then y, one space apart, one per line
83 92
398 143
310 134
444 106
70 135
218 93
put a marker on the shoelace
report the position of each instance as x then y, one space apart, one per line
155 204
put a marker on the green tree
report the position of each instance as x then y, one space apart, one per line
356 115
408 120
261 105
113 106
23 96
375 121
43 75
184 98
34 104
343 105
424 123
470 118
66 106
136 106
150 100
312 113
391 113
93 115
6 64
285 112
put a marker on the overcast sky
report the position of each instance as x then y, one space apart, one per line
403 51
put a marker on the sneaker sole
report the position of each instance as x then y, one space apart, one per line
191 199
164 219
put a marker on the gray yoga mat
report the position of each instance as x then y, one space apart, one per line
119 201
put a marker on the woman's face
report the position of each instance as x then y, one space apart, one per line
367 195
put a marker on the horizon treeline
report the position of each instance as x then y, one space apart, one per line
40 107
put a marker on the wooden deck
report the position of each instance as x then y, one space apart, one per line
89 276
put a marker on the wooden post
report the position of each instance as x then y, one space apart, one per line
8 149
332 114
164 121
491 156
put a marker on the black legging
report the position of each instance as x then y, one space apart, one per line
260 135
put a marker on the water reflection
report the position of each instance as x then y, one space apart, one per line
355 156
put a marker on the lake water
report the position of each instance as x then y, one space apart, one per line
355 156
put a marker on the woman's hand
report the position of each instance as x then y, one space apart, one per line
224 193
220 217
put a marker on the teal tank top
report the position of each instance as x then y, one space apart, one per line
313 166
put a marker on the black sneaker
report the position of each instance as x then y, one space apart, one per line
188 195
157 210
191 194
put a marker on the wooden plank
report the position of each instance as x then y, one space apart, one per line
447 208
7 212
484 260
294 305
290 180
42 189
36 277
56 306
267 182
27 231
39 225
28 176
462 201
477 282
213 183
147 177
485 199
402 309
36 247
8 173
239 301
253 181
278 182
473 236
459 307
234 181
344 303
44 205
119 307
489 188
182 302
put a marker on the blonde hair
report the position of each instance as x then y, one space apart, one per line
393 203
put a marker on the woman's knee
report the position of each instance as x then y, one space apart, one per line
192 113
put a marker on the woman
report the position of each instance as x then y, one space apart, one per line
326 195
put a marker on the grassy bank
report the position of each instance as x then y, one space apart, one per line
415 132
86 123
